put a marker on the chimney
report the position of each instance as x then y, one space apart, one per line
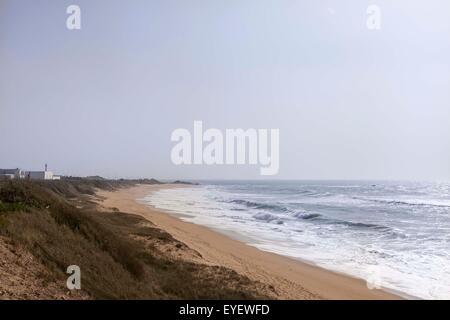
45 167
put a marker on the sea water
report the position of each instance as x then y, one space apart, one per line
393 234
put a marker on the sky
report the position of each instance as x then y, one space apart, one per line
349 102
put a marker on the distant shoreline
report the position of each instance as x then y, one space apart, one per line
291 279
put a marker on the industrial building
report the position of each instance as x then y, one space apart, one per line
39 175
10 174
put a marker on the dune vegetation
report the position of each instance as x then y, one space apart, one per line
58 224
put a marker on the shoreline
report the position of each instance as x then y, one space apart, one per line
291 278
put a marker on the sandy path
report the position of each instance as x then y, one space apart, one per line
290 278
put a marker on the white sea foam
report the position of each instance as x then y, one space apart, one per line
396 233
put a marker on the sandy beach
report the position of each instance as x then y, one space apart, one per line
291 279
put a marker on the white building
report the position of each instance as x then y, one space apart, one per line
32 175
42 175
12 173
6 176
39 175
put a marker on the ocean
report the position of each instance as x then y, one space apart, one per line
395 235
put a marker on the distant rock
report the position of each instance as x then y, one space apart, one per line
185 182
149 181
95 178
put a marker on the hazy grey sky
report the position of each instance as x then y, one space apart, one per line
350 103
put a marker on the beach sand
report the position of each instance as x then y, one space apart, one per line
291 279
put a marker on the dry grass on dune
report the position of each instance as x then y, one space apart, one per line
119 254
